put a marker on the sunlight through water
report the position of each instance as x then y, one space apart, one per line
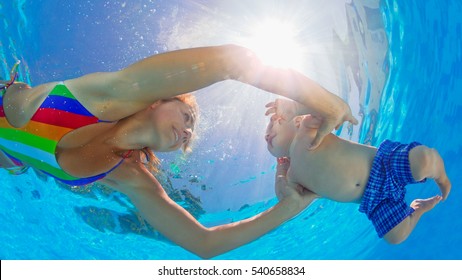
275 42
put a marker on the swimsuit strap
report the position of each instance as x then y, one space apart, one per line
127 154
146 154
124 156
13 76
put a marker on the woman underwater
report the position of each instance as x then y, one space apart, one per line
103 127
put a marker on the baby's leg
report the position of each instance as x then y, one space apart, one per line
427 163
401 232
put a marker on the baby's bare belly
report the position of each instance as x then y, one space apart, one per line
338 189
337 170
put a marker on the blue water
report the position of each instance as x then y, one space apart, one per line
397 63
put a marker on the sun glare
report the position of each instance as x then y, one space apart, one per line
275 43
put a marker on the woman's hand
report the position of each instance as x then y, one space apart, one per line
298 196
333 121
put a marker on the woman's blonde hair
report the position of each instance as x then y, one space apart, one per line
189 99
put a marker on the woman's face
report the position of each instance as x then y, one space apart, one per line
174 124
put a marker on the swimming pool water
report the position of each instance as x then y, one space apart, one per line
397 63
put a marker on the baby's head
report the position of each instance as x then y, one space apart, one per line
280 134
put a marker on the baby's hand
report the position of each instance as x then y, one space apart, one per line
282 108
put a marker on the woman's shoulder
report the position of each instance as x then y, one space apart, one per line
132 172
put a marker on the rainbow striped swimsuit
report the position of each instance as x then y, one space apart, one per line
35 143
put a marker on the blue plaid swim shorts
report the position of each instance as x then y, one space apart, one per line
383 200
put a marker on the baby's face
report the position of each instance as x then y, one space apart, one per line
279 136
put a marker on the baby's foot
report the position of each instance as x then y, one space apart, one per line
425 205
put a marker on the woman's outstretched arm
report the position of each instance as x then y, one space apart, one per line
112 96
178 225
172 73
